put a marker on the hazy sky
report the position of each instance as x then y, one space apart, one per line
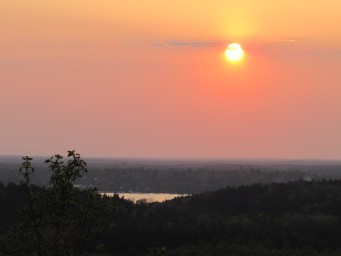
148 78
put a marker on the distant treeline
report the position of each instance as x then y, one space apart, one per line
180 178
186 181
295 218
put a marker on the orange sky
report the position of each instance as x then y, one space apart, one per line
130 79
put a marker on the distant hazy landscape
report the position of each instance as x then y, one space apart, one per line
179 176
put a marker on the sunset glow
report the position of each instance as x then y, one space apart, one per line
159 79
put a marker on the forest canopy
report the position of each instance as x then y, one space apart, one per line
293 218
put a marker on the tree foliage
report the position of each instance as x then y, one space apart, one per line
60 220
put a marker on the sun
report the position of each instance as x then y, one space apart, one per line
234 52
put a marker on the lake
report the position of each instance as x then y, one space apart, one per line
149 197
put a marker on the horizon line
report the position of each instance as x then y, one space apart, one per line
149 158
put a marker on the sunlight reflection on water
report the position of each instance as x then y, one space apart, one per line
148 197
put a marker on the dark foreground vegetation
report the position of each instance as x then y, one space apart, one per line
294 218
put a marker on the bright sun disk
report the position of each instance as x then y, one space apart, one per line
234 52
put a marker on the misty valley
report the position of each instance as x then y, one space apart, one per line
179 176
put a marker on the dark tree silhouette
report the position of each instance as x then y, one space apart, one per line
60 220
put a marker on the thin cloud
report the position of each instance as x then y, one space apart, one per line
191 43
195 43
222 43
271 46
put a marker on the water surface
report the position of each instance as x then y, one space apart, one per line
148 197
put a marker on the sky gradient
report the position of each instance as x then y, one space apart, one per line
149 78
